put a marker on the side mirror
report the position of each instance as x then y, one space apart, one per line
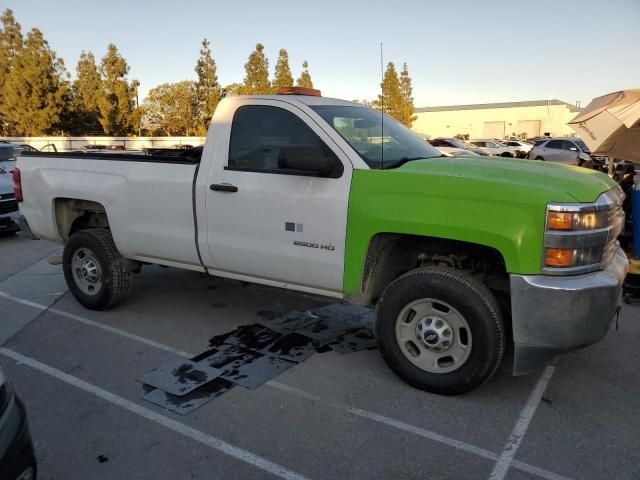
311 160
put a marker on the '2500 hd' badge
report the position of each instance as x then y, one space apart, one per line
299 243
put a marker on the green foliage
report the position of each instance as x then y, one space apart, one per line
173 109
118 114
208 89
10 46
232 89
396 100
87 91
407 116
34 89
390 101
305 78
256 81
283 77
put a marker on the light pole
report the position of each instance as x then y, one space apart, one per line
136 84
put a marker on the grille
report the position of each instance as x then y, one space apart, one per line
8 206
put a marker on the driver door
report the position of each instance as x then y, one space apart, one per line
269 221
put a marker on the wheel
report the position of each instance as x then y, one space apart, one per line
93 269
540 158
506 154
440 330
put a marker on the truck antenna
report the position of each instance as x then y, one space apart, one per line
381 109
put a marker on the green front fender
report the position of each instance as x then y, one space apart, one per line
506 216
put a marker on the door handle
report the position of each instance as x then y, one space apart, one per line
223 187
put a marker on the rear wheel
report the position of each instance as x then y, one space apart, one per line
93 269
540 158
506 154
440 330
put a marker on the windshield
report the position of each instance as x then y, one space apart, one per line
381 145
581 145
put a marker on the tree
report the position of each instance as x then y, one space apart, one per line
10 46
208 89
406 90
35 88
256 82
390 102
232 89
305 77
118 115
87 91
172 108
283 77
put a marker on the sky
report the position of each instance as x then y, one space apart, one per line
457 51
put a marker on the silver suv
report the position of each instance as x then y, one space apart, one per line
567 150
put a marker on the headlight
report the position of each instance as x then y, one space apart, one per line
582 237
6 391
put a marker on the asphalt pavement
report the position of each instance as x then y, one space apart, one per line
331 416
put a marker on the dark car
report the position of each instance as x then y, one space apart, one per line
17 458
9 212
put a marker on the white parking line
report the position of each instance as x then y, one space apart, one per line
95 324
197 435
469 448
520 429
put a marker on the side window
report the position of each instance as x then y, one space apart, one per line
273 140
479 144
557 144
566 145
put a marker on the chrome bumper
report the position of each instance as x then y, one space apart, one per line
553 314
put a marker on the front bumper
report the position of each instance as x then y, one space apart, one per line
9 221
553 314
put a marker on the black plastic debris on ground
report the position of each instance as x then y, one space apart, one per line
251 355
180 376
188 403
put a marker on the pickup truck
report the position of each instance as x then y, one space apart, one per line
459 255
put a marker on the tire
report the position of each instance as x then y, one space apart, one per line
465 298
506 155
93 269
540 158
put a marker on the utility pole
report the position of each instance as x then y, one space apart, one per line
136 84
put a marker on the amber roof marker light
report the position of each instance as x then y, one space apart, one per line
312 92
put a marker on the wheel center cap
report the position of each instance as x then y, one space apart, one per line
435 333
431 337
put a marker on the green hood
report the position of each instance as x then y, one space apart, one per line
582 184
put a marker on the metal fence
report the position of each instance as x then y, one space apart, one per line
129 143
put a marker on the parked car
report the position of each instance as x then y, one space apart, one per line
299 192
522 148
451 145
494 147
17 458
9 213
566 150
8 154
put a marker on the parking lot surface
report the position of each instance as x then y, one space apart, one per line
332 416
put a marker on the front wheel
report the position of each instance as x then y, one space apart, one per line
93 269
440 330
